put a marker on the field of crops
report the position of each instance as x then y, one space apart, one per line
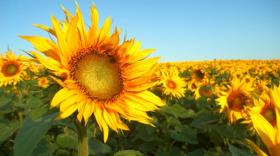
211 108
86 91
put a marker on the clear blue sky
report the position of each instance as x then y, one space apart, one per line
179 30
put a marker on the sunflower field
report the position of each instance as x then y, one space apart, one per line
84 91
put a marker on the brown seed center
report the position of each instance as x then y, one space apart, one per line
98 75
10 69
171 84
237 101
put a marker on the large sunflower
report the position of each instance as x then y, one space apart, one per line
100 76
12 68
266 121
236 100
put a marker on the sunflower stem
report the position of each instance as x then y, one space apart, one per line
82 139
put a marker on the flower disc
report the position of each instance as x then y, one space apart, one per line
10 68
98 75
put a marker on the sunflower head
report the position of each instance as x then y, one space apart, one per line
102 79
237 100
12 68
205 91
198 74
43 82
172 84
265 117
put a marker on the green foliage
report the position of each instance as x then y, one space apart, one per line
184 127
31 133
128 153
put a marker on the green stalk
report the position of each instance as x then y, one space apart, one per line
82 139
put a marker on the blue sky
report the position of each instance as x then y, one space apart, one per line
180 30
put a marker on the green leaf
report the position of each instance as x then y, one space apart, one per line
44 148
5 99
129 153
34 101
204 118
37 113
31 134
197 152
7 130
67 141
178 111
184 134
238 151
97 147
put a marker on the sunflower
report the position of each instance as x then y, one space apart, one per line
260 87
266 107
43 82
236 100
198 74
12 68
173 85
266 121
100 76
204 90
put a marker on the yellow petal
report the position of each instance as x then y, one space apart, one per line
93 31
149 97
45 28
43 45
140 68
109 121
60 96
73 39
81 25
101 123
60 35
72 100
140 55
255 148
47 62
81 109
264 129
69 111
67 13
88 111
140 104
105 30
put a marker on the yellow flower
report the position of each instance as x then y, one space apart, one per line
267 122
12 68
43 82
173 85
261 87
35 67
236 100
204 90
100 76
199 74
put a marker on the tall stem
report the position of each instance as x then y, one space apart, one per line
82 139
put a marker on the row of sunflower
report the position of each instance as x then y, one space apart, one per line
245 90
83 82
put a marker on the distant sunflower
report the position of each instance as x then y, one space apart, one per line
261 87
43 82
100 76
236 100
12 68
199 74
204 90
173 84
